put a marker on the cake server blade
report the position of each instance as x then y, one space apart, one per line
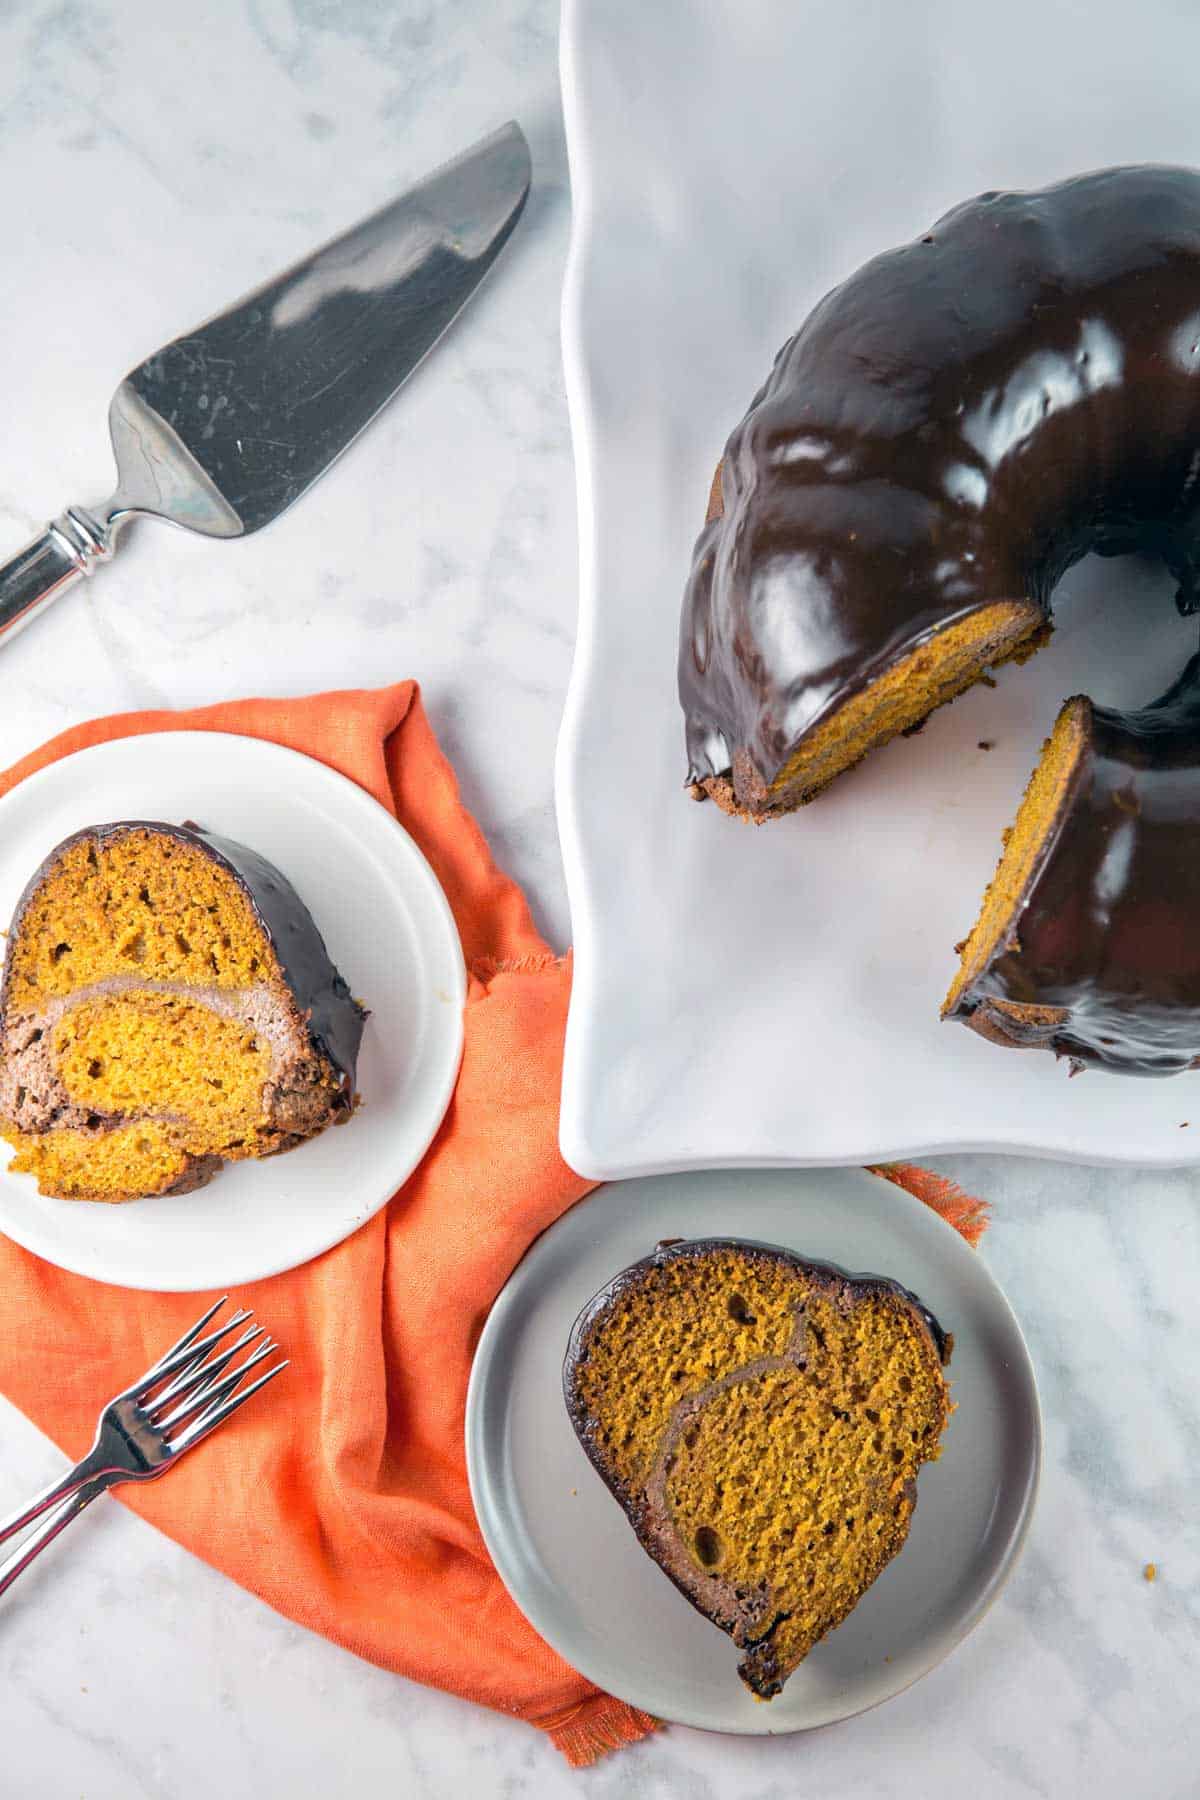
222 429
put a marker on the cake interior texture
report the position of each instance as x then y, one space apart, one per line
899 698
1025 844
905 693
762 1421
149 1033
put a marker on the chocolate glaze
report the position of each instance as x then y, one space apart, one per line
954 425
749 1616
1105 942
334 1019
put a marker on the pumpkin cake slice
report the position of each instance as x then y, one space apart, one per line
762 1420
167 1005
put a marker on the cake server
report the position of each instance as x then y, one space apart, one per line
221 430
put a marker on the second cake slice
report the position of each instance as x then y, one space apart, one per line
762 1420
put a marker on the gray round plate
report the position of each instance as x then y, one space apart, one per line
563 1546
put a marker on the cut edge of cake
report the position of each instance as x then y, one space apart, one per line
1026 845
920 677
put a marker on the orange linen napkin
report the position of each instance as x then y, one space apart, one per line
342 1498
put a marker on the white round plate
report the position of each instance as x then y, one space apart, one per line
563 1546
389 930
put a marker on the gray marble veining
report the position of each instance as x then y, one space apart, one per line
158 161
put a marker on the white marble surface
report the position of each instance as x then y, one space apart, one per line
156 161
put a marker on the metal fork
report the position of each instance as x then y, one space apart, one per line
147 1427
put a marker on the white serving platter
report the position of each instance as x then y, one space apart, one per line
771 996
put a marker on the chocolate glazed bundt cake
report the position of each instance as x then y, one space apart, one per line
951 429
167 1005
762 1421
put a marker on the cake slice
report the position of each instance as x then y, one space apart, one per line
762 1420
167 1005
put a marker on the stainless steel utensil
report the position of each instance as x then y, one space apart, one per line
223 429
144 1431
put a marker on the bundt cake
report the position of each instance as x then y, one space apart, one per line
167 1005
951 429
761 1420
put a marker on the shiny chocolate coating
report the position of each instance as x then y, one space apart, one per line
334 1017
1105 936
954 425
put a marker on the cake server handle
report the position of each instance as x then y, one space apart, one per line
70 547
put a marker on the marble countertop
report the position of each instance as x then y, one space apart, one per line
159 160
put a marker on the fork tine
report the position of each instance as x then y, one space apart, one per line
213 1392
189 1353
184 1350
162 1370
192 1374
189 1337
210 1419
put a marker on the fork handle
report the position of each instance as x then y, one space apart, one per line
57 1521
91 1469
